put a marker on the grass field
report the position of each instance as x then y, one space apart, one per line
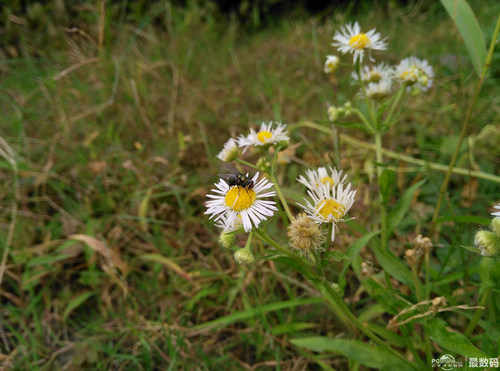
114 119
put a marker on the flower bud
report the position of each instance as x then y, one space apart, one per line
495 226
488 243
227 239
333 113
244 257
263 165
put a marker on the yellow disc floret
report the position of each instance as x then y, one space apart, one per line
239 198
359 42
410 76
326 180
263 136
331 207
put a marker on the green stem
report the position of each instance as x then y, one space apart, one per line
367 100
479 312
395 103
364 119
281 197
247 163
340 305
465 125
424 164
249 241
427 273
383 211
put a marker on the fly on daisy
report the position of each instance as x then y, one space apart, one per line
351 40
266 136
235 201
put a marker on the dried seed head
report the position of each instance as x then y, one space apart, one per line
305 235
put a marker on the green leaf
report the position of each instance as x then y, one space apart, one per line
385 183
46 259
437 330
287 328
402 206
352 252
257 311
367 355
467 24
387 260
76 302
294 265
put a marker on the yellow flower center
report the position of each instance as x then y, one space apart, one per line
331 207
410 76
239 198
373 76
263 136
359 42
325 180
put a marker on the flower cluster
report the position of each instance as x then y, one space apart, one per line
412 73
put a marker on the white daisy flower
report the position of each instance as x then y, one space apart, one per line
318 178
414 72
381 71
235 202
379 90
229 152
266 136
496 213
332 63
330 205
352 40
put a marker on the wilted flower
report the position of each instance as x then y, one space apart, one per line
305 235
352 40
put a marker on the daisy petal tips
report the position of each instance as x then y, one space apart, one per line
496 213
351 40
229 203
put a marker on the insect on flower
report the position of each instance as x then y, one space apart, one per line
237 179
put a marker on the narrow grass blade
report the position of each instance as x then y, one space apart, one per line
169 263
370 356
254 312
76 302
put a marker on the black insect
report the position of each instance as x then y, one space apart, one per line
237 179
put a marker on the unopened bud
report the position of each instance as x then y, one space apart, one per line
333 113
495 226
263 165
487 242
244 257
227 239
